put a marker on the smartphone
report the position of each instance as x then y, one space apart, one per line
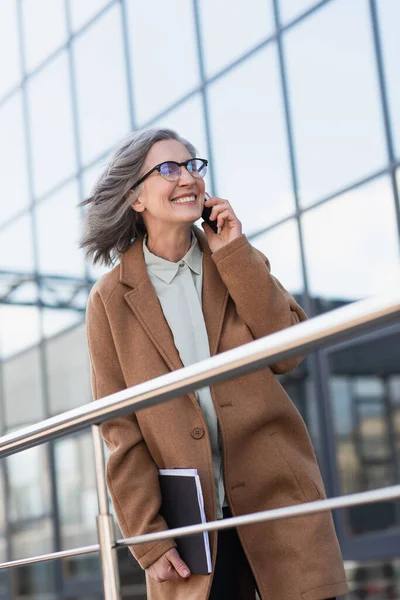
206 217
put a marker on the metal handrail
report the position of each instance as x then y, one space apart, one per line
308 508
322 330
328 328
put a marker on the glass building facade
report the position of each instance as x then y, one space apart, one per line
296 104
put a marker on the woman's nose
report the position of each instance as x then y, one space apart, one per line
185 177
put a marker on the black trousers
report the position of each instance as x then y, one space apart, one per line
233 577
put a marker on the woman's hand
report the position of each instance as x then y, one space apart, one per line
169 567
229 225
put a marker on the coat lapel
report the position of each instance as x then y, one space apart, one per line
214 295
143 300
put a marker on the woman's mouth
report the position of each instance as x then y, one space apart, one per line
184 200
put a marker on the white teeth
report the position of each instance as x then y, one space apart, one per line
185 199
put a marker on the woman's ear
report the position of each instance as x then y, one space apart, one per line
136 203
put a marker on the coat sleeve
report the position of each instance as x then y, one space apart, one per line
261 300
132 475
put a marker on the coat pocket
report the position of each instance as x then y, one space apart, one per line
304 481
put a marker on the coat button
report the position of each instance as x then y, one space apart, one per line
197 433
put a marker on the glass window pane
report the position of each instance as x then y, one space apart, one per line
22 386
82 12
10 72
58 230
17 256
231 29
364 419
53 151
333 85
91 175
2 506
389 18
44 29
28 475
281 246
13 172
351 244
249 142
290 9
76 491
374 579
160 77
19 328
55 321
101 85
81 568
68 370
36 581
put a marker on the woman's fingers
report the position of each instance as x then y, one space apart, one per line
169 567
179 565
221 217
229 226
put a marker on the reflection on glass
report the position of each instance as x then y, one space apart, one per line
82 12
42 35
13 173
28 475
58 230
290 9
374 580
228 31
389 18
161 76
10 68
101 85
53 151
68 370
334 96
281 246
249 142
22 388
19 328
366 422
351 244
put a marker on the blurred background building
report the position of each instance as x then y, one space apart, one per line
296 104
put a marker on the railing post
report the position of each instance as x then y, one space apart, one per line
105 525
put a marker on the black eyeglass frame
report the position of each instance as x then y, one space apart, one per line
180 165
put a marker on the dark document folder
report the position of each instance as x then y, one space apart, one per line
182 504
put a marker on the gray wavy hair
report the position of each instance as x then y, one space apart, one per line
111 225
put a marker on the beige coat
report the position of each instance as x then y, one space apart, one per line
268 458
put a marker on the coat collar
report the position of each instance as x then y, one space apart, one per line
144 302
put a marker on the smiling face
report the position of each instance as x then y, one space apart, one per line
163 203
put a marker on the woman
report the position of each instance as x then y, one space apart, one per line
176 296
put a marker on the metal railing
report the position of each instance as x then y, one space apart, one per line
323 330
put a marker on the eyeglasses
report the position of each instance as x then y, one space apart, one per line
172 170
